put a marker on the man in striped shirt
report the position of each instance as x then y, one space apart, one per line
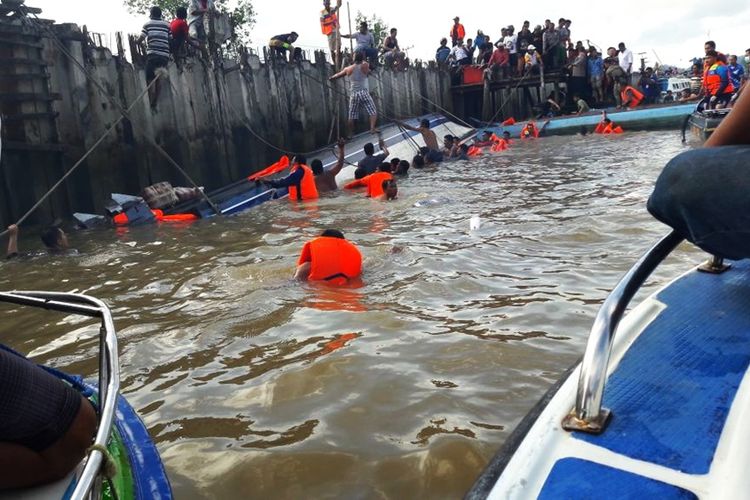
157 36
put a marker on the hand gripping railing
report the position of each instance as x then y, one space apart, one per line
109 370
588 414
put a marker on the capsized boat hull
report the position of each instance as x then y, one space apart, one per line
679 392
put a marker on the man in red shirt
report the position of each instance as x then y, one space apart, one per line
180 31
499 62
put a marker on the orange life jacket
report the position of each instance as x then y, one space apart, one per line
277 167
309 191
332 260
458 32
473 152
375 183
329 22
712 80
637 96
499 145
530 131
509 121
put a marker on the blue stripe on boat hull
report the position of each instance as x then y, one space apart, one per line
672 392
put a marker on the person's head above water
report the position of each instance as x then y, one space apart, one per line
448 141
299 160
369 149
486 135
390 188
317 167
506 135
332 233
55 238
394 164
384 167
403 167
418 161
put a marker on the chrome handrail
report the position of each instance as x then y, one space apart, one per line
109 368
588 414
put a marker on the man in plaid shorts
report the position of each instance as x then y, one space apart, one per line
360 92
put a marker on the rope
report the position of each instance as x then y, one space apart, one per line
506 101
83 158
120 107
109 466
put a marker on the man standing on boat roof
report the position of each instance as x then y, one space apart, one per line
360 92
330 26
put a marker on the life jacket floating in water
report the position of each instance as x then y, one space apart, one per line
510 121
473 152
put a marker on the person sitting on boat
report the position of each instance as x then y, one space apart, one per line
581 104
550 107
716 82
373 182
430 139
702 193
360 92
325 180
281 44
46 426
329 258
630 97
736 72
301 181
54 238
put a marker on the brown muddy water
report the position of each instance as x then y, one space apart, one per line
257 387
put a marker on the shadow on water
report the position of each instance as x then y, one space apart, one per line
253 386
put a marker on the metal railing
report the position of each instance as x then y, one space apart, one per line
588 414
109 370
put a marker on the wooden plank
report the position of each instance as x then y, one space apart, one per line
29 96
24 61
30 116
24 76
23 43
24 146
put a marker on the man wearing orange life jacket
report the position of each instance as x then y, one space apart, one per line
329 26
373 182
457 31
630 96
530 131
716 82
607 126
329 258
301 181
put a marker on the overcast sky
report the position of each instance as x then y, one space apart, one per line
672 29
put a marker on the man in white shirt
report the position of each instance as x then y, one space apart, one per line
626 58
459 56
511 45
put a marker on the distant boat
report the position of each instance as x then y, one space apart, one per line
664 116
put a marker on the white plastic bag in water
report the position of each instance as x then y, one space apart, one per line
475 223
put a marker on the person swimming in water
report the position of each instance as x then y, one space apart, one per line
325 180
390 190
433 154
55 240
329 258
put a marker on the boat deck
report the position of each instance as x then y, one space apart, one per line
679 393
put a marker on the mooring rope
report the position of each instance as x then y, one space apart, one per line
120 107
83 158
